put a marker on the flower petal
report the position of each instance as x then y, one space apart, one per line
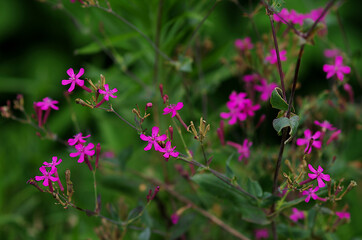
70 72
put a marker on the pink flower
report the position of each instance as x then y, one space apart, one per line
310 193
169 151
175 218
73 79
78 138
243 44
272 58
153 139
47 103
336 69
317 174
342 215
47 175
310 139
325 125
334 136
314 14
83 151
331 53
296 215
261 233
284 13
108 93
251 77
265 89
296 18
243 150
237 100
53 163
173 108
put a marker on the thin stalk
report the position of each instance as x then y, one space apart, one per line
119 116
95 189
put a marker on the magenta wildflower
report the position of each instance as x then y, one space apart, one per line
311 193
315 13
342 215
272 58
74 79
47 103
331 53
78 138
54 162
243 150
336 69
243 44
173 108
284 14
261 233
265 89
169 151
251 77
309 139
325 125
174 218
334 136
317 174
296 215
108 93
153 139
83 151
47 175
296 18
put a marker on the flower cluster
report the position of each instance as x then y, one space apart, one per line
84 151
155 140
240 108
48 170
272 57
243 44
294 17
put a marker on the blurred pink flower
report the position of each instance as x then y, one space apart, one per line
243 44
334 136
175 218
336 69
251 77
47 175
78 138
169 151
73 79
342 215
265 89
296 215
325 125
331 53
319 175
153 139
47 103
243 150
173 108
261 233
83 151
284 13
272 58
296 18
311 193
309 138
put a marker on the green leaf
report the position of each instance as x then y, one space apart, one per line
277 101
282 122
145 234
253 214
217 188
254 188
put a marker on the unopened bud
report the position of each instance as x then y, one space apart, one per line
165 98
161 90
32 181
170 130
98 151
148 105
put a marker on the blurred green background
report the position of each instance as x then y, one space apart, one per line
39 41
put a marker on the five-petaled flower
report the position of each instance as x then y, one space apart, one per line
54 162
78 138
272 58
83 151
173 108
243 44
265 89
319 175
107 92
47 103
153 139
74 79
336 69
325 125
47 175
308 140
243 150
311 194
296 215
169 151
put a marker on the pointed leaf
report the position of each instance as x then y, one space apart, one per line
277 101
